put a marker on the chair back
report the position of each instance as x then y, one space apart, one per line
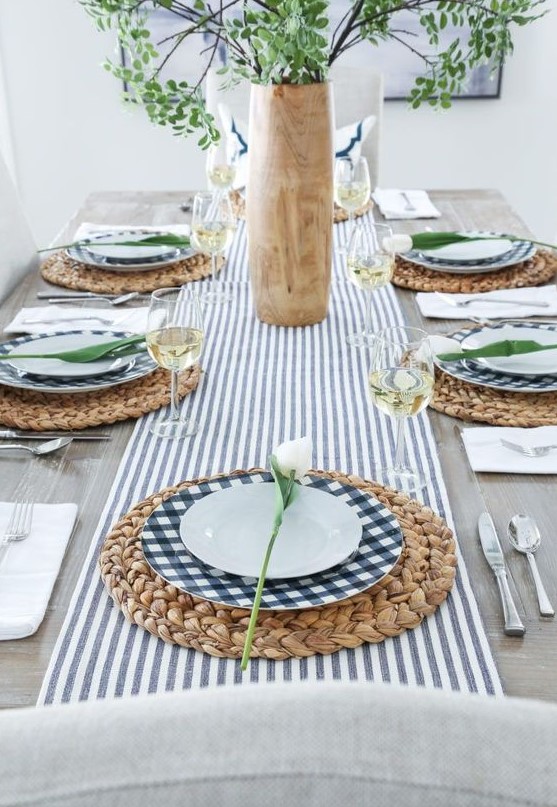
358 92
18 252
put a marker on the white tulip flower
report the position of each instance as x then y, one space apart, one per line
444 344
294 455
397 243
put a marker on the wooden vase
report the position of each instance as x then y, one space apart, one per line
289 204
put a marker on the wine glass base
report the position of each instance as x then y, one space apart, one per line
361 339
174 429
216 297
403 479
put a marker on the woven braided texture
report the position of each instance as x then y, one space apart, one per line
61 270
470 402
541 268
41 411
239 207
413 590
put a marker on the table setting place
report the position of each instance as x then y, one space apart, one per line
203 577
204 581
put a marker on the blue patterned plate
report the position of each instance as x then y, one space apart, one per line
145 259
140 365
520 251
377 553
477 373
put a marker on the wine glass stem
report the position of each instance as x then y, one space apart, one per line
367 322
399 452
174 399
350 226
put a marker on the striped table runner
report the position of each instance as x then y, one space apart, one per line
263 385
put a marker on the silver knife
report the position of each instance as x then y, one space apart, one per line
494 556
11 434
85 294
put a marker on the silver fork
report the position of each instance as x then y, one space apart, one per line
528 451
19 527
463 303
408 201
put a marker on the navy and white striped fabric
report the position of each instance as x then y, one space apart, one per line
262 385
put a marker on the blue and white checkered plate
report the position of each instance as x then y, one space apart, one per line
95 251
518 252
476 372
379 550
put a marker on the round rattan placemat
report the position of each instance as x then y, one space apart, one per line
541 268
239 207
419 582
471 402
62 270
41 411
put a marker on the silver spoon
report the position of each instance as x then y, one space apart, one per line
123 298
524 535
43 448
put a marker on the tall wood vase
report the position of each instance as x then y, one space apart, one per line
289 205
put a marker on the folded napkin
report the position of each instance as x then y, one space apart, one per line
432 305
485 452
29 568
59 318
394 204
87 228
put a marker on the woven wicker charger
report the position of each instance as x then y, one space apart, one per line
40 411
471 402
541 268
62 270
239 207
419 582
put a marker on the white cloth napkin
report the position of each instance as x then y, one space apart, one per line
485 452
59 318
393 204
29 568
88 228
432 305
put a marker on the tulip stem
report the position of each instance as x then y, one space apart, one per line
261 582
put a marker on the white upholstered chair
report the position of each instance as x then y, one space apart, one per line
283 745
358 92
18 253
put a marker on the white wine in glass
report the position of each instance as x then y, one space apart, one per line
212 229
401 385
352 188
221 166
174 340
370 263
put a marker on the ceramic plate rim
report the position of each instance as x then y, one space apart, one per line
211 558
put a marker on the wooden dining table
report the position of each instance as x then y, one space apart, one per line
526 665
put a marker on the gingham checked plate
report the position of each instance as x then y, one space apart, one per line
378 552
518 252
476 373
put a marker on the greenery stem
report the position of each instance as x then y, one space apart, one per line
261 582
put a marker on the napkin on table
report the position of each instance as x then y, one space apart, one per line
393 204
54 318
485 452
432 305
29 568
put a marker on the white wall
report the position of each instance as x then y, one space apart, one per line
70 133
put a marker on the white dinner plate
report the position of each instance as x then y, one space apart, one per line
230 530
89 254
56 368
517 252
529 364
470 251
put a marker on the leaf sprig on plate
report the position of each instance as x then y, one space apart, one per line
158 240
437 240
505 347
115 349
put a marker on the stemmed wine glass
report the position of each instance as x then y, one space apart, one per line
352 188
401 384
221 166
212 228
174 339
370 264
